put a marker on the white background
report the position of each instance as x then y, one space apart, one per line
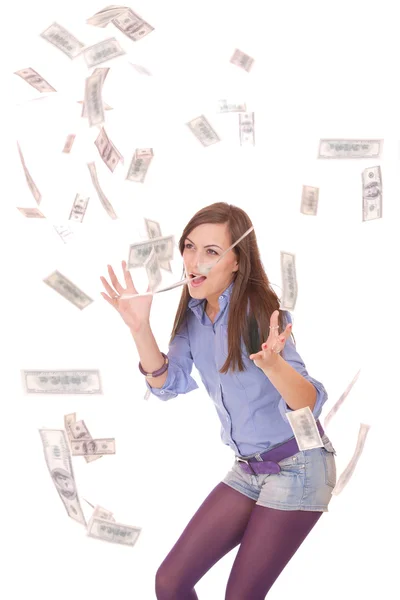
321 70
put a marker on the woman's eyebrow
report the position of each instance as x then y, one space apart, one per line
208 245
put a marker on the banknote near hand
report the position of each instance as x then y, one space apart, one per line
68 290
289 281
153 270
140 251
342 398
305 429
59 464
78 430
154 231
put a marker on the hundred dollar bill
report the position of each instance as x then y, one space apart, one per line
140 69
108 152
339 148
153 231
202 129
105 16
63 40
78 430
79 207
132 25
68 143
93 102
31 213
99 446
224 106
372 193
349 470
35 80
309 200
68 290
305 429
289 281
105 202
31 184
62 382
140 164
246 129
102 52
339 403
101 72
140 251
110 531
59 463
153 270
65 233
242 60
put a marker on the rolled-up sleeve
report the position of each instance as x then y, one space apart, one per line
294 359
179 380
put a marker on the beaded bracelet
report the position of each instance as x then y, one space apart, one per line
159 371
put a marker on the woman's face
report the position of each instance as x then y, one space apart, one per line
204 246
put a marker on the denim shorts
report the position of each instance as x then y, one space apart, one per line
305 482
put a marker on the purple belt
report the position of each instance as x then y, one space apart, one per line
270 458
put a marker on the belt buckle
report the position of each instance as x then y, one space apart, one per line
238 459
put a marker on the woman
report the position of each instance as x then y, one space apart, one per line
271 499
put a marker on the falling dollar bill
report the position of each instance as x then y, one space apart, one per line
35 80
102 52
78 430
31 213
68 143
59 463
105 202
140 164
101 513
140 69
93 99
68 290
153 231
79 207
242 60
342 398
309 200
349 470
132 25
102 73
140 251
65 233
63 40
350 148
246 129
289 281
62 382
372 193
31 184
110 531
153 270
108 152
224 106
105 16
99 446
202 129
305 429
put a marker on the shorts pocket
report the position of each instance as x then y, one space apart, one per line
329 467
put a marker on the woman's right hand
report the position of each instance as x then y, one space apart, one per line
134 311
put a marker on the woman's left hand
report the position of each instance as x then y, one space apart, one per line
275 343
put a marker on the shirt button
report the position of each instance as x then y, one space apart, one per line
221 297
161 391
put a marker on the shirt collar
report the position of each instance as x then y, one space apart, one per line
193 302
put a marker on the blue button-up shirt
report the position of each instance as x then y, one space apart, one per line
251 410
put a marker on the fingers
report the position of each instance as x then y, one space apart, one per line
114 280
128 278
109 300
108 287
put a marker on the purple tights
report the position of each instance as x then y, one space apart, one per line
268 539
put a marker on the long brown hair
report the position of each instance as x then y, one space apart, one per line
251 284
